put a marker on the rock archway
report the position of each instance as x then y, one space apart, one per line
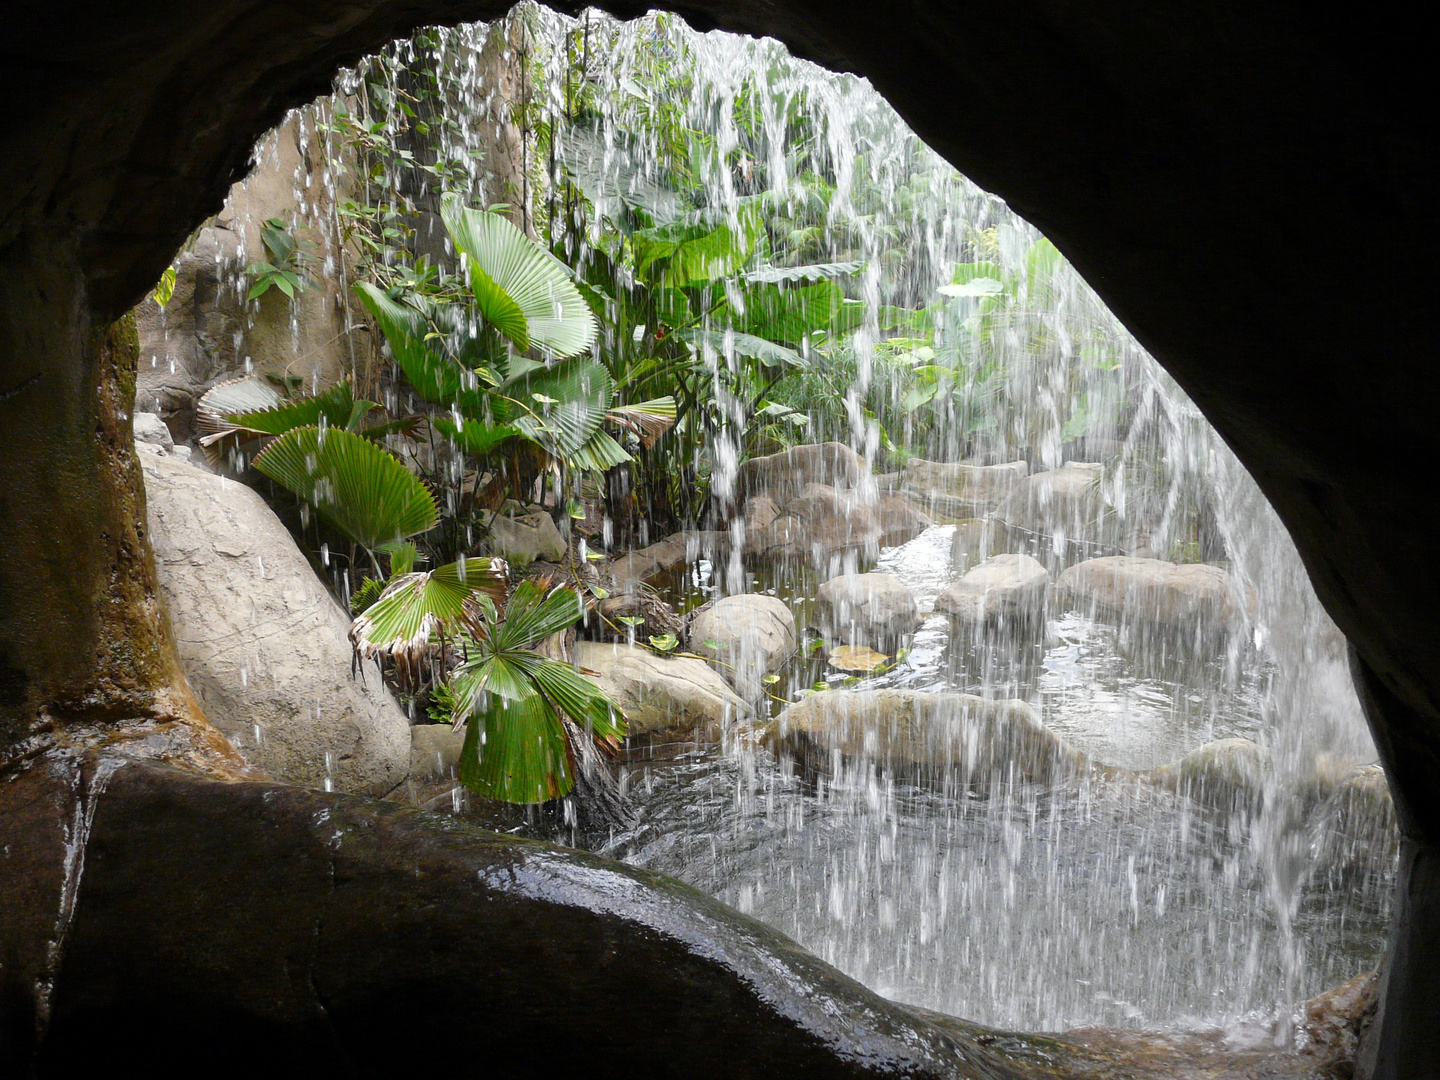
1250 189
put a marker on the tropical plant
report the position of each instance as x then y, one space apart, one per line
324 449
470 358
522 710
285 268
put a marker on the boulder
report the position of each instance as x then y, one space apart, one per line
749 636
315 924
961 489
1193 600
899 519
784 475
662 695
525 538
1005 593
821 524
261 639
972 543
867 609
1064 506
150 429
435 751
1227 774
675 550
760 512
1359 833
947 740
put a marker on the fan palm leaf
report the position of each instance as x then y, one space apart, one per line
359 488
521 289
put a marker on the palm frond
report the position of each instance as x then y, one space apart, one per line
647 419
359 488
522 290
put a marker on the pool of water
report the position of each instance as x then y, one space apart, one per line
1107 903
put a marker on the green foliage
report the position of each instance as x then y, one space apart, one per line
361 489
164 288
520 289
516 748
285 268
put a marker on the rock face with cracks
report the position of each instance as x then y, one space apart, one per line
262 641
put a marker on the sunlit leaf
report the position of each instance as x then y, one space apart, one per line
522 290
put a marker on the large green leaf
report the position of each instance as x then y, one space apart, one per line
515 748
756 348
774 275
559 407
573 694
361 489
522 290
415 605
793 314
613 178
600 454
533 614
476 437
337 406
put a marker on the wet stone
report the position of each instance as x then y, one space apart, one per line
1004 594
867 609
662 695
748 637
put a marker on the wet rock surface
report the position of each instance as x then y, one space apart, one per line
262 642
525 538
950 738
1005 593
269 923
662 695
1063 503
961 489
785 475
1225 774
1196 600
820 525
748 636
867 609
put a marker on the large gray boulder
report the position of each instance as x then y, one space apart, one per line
948 740
899 518
522 539
784 475
749 636
961 489
1064 506
1227 774
1004 593
662 695
821 524
1193 600
261 639
867 609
